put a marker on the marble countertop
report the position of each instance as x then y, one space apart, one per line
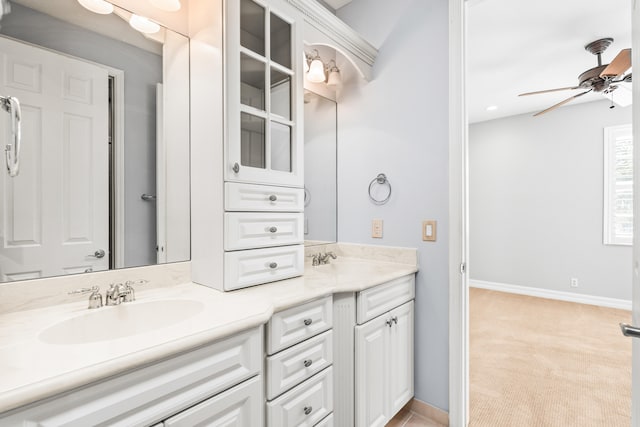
33 369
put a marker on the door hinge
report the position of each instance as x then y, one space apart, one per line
463 267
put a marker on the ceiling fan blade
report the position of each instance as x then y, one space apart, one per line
550 90
620 64
561 103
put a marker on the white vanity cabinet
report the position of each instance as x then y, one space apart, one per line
373 352
299 373
246 142
384 366
216 383
264 85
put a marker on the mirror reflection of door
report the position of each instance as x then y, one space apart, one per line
55 220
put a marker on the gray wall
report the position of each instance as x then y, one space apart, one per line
536 202
398 124
142 71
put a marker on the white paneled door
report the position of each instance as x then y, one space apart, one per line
54 214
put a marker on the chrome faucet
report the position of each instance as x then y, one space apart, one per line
321 258
122 292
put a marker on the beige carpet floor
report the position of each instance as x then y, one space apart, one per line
540 362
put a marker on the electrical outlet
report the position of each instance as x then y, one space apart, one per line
376 229
574 282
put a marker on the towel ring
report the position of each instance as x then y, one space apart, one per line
381 179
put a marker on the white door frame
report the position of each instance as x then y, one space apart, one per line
118 159
635 353
458 221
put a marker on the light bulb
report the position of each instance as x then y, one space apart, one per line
97 6
144 25
167 5
316 71
335 78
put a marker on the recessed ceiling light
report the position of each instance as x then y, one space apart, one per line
492 108
168 5
97 6
144 25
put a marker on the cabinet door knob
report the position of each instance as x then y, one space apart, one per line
236 167
273 229
389 322
307 322
395 319
273 265
273 197
307 363
307 410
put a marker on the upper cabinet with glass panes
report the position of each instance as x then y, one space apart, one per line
264 93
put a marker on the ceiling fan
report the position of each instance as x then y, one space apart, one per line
603 78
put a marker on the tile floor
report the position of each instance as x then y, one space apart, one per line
406 418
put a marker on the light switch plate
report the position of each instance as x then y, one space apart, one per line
376 229
429 230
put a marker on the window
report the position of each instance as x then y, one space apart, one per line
618 185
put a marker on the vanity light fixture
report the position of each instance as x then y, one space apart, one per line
144 25
166 5
335 78
97 6
316 69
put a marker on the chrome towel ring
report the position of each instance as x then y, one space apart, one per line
381 179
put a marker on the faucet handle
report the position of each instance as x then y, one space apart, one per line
95 299
84 290
129 292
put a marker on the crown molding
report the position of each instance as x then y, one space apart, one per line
325 21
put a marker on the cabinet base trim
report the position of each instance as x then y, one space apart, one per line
427 411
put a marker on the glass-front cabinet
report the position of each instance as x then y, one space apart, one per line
264 101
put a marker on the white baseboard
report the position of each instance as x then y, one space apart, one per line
550 294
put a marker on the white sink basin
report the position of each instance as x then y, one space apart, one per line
126 319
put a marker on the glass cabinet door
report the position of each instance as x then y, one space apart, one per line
262 129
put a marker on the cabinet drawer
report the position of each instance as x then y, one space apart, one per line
304 405
152 393
292 366
256 266
380 299
296 324
327 422
255 198
241 406
244 230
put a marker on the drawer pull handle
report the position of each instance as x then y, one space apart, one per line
273 265
395 319
273 229
307 322
236 168
307 410
389 322
307 363
273 197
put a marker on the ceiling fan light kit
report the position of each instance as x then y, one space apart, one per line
599 79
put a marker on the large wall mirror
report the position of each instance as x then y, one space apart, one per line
103 176
320 169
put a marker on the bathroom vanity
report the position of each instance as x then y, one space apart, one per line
267 355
